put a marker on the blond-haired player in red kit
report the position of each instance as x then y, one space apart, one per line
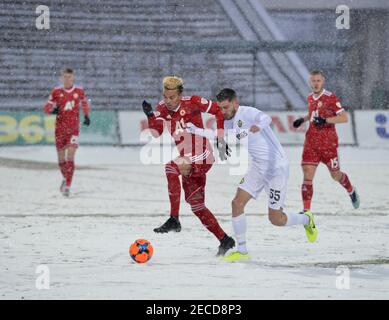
321 139
64 102
176 112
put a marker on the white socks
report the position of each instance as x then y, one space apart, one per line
296 218
239 225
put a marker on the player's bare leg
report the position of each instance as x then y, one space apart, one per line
343 179
62 165
279 217
307 186
173 169
70 153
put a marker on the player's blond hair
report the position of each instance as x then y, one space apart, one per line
173 83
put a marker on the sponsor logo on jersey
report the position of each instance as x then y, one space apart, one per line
182 113
241 135
239 123
204 101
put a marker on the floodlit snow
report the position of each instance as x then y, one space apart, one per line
84 240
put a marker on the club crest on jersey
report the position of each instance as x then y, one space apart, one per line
239 123
61 95
338 104
241 181
75 95
319 104
157 113
169 117
182 113
204 101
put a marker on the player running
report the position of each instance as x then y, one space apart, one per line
321 140
196 156
65 102
269 170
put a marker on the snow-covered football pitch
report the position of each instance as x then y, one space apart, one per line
82 241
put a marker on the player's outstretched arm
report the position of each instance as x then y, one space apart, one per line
155 124
85 109
221 144
51 104
341 117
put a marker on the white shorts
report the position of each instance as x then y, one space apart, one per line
275 187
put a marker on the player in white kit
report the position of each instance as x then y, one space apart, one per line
269 171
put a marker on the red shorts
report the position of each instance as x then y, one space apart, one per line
65 139
313 156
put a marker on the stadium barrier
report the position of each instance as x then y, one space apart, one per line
368 128
36 128
372 129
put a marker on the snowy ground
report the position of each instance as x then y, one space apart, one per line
84 240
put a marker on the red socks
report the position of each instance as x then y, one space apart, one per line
307 192
67 169
62 166
174 187
208 220
345 182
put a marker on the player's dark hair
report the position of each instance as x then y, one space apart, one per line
226 94
317 72
67 70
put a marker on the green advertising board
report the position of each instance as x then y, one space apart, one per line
29 128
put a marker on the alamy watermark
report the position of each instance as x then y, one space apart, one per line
42 282
343 279
42 22
343 20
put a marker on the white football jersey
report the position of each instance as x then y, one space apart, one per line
263 146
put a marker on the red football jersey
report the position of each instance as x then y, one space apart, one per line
68 101
326 105
196 148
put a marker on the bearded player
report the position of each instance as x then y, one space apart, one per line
64 102
195 155
321 139
269 171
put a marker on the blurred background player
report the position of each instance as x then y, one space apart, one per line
321 139
65 102
269 170
196 155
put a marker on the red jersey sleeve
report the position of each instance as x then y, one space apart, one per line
336 106
156 122
51 102
211 107
84 102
